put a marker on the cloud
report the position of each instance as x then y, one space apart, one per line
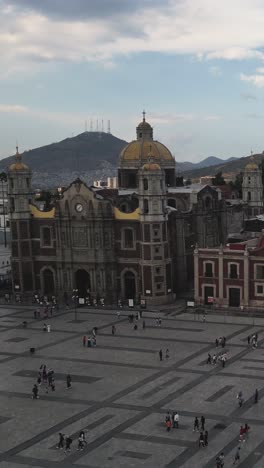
215 71
12 109
37 33
167 119
248 97
256 80
260 70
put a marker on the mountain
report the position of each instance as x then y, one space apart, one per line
210 161
232 166
85 152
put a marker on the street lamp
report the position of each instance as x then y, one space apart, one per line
75 297
3 178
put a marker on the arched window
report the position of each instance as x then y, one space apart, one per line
145 184
146 206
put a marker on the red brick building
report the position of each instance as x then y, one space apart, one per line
232 275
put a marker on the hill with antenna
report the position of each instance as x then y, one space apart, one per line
82 153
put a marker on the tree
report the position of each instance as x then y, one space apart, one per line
237 184
218 179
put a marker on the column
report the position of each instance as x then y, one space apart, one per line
246 278
196 274
220 275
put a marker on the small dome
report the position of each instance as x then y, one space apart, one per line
144 125
18 165
251 166
151 167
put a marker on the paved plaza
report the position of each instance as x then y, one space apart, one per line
121 391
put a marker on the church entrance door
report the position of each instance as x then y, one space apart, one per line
48 282
130 285
83 282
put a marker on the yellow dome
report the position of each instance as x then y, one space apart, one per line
18 166
151 167
141 149
251 167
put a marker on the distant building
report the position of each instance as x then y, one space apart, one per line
230 276
252 189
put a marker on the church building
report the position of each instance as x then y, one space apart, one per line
135 242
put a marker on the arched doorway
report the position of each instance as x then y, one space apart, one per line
83 282
48 281
129 285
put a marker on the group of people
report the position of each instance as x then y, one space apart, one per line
253 340
90 341
243 432
217 359
240 397
199 426
46 378
66 441
172 421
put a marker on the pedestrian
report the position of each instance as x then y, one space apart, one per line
214 359
246 429
94 332
248 339
220 461
160 354
61 441
81 441
159 322
240 398
209 359
203 319
216 343
223 360
196 424
241 434
84 339
68 442
53 385
89 342
113 329
35 392
68 381
94 341
202 422
143 325
256 396
237 456
168 425
167 418
176 420
167 354
223 341
201 440
135 327
206 438
39 378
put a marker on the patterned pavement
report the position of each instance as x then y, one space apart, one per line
121 391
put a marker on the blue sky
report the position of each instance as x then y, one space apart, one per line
196 67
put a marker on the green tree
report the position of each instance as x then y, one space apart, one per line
218 179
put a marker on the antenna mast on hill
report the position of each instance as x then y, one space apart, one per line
97 125
85 126
91 125
102 126
108 127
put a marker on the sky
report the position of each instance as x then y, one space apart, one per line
195 66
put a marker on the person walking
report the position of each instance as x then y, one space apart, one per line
84 339
196 424
241 434
167 354
61 441
160 354
220 461
53 385
68 442
209 359
113 330
143 325
256 395
202 422
35 392
168 425
248 339
68 381
206 438
214 359
201 440
237 456
176 420
216 343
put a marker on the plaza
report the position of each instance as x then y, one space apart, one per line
121 391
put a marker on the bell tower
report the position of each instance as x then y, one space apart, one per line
155 259
19 198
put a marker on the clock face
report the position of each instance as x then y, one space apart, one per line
79 207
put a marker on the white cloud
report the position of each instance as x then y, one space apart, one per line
207 29
256 80
215 71
260 70
12 109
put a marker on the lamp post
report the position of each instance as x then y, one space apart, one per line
75 297
3 178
